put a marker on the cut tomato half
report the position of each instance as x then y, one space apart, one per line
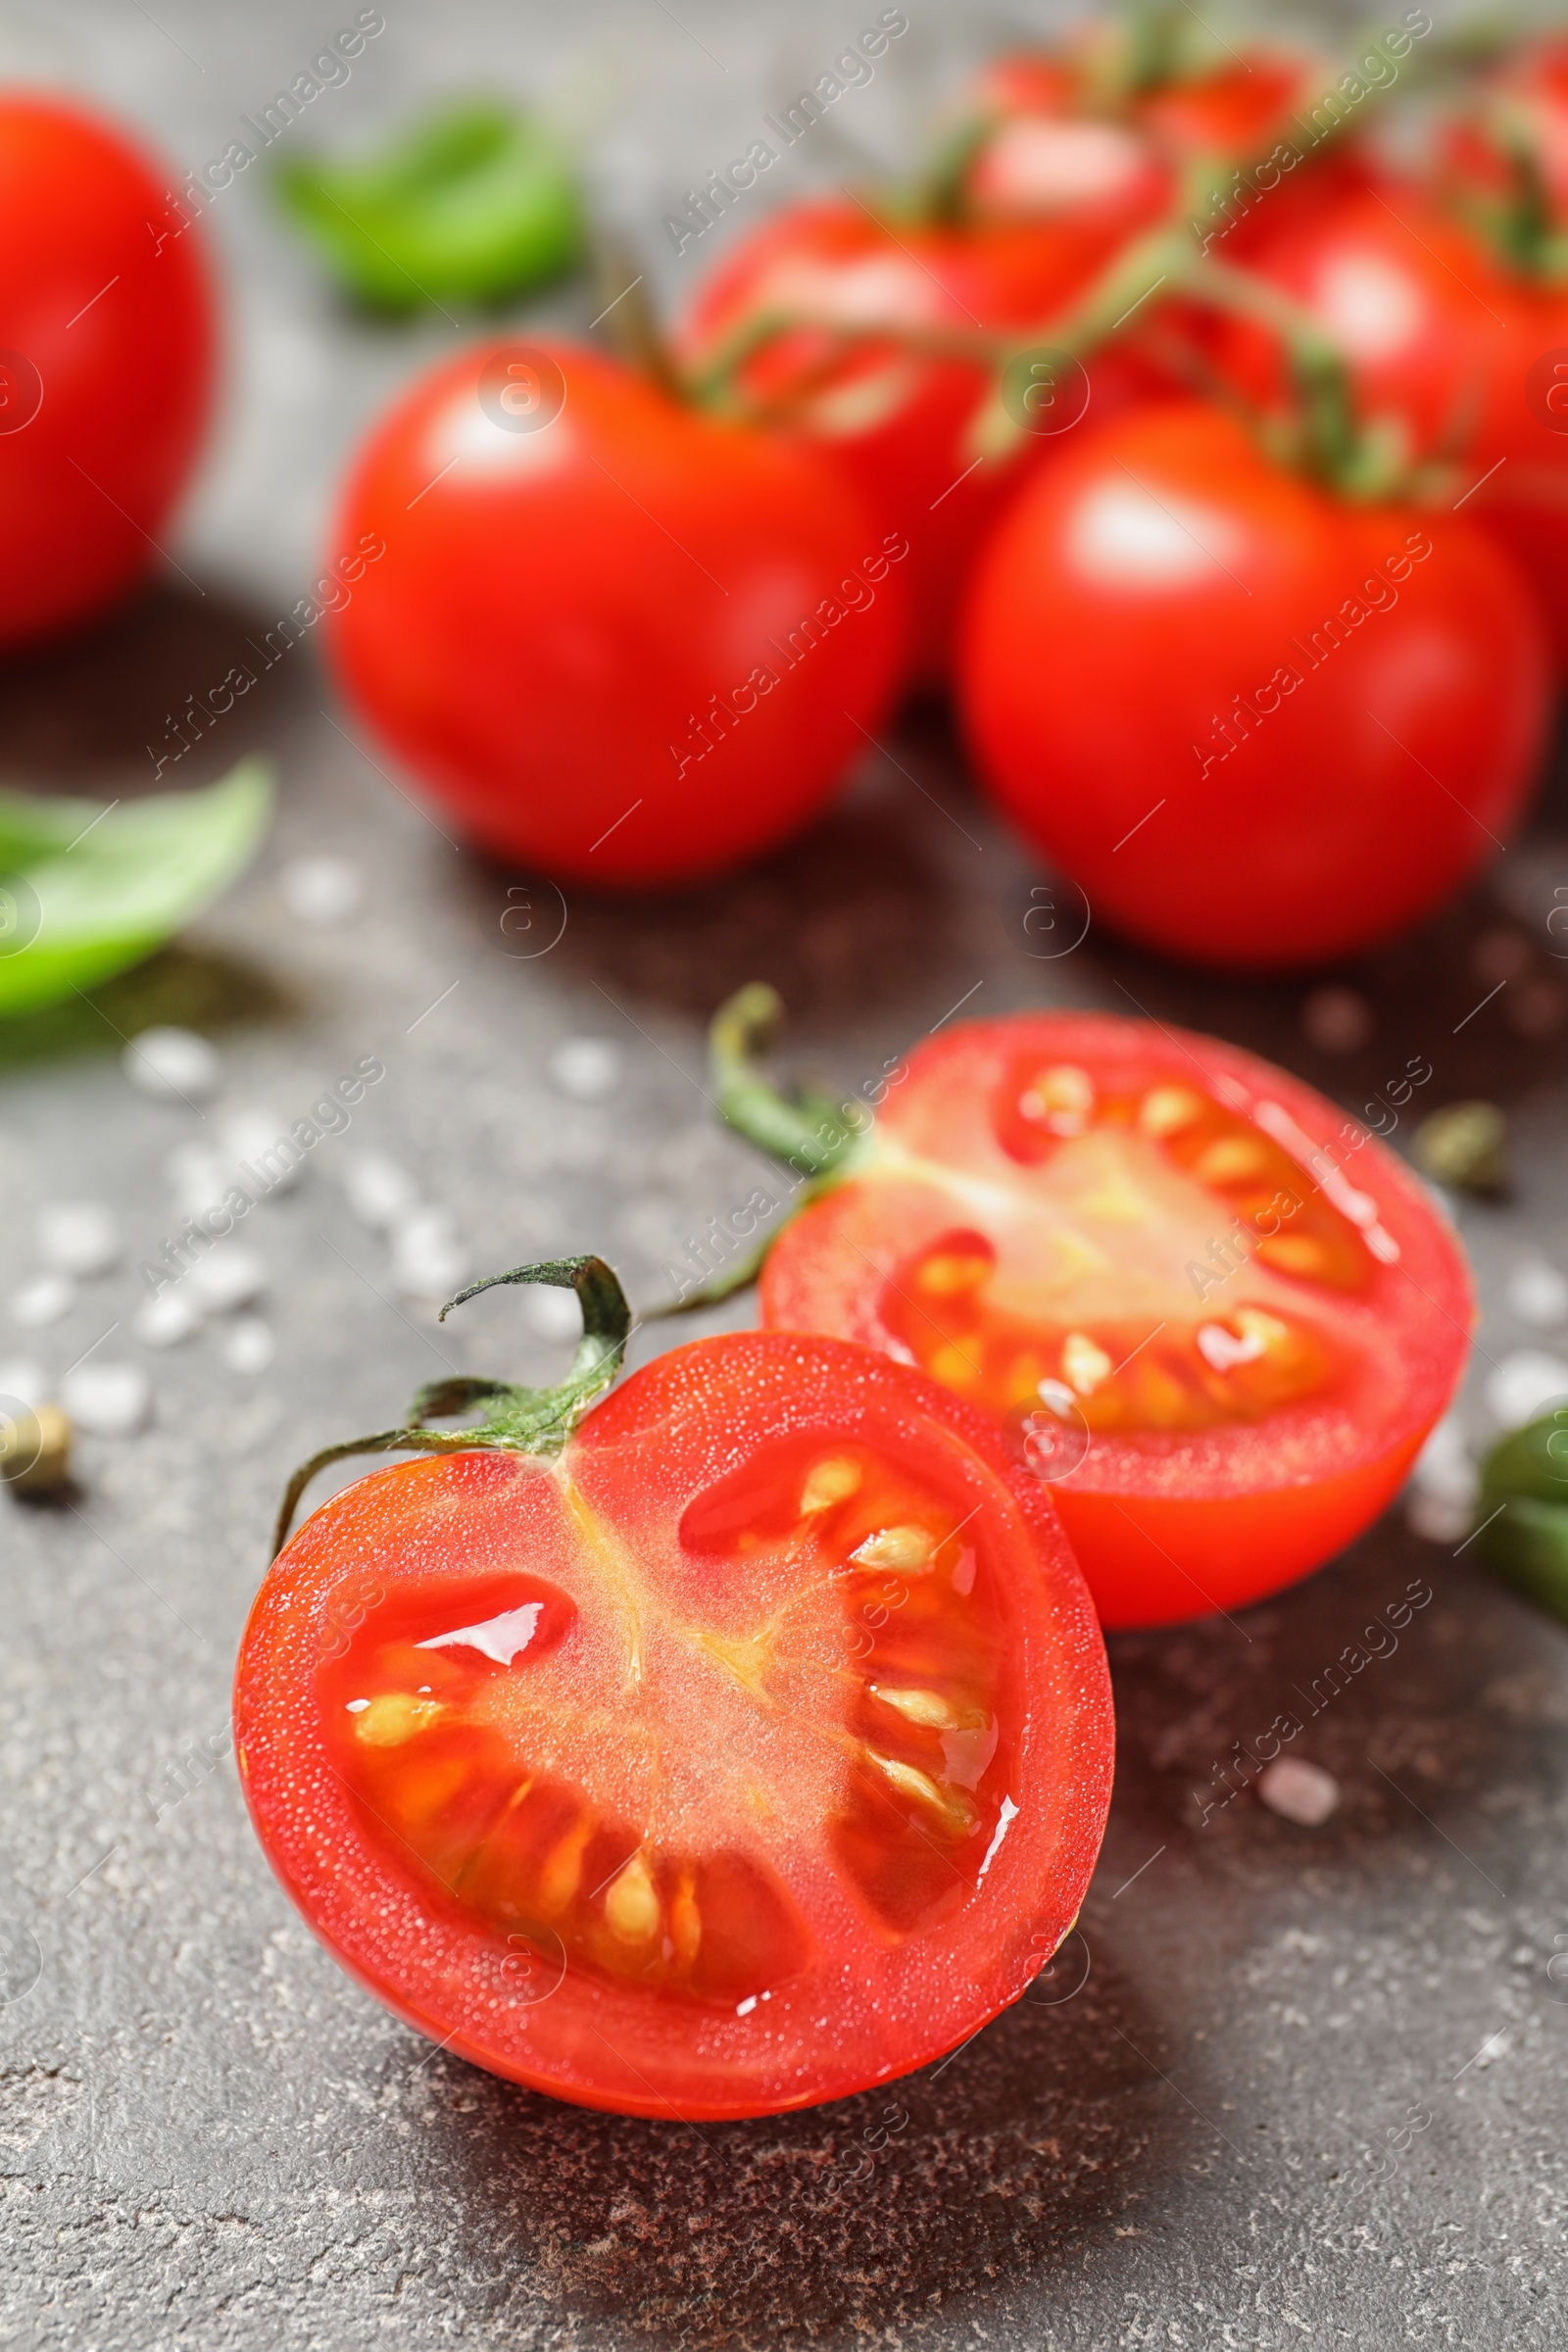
750 1751
1215 1316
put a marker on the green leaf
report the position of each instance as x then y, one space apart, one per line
85 889
474 205
1523 1513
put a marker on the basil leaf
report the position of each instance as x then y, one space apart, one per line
85 889
1523 1512
474 205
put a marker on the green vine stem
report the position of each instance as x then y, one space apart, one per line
806 1129
526 1421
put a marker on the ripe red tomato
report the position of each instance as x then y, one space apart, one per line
626 644
900 420
1505 159
1216 1317
106 365
1262 728
750 1751
1442 343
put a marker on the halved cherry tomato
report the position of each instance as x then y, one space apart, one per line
628 645
899 418
106 364
1260 726
751 1747
1216 1317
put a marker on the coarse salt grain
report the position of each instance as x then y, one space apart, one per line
167 1319
43 1301
379 1192
228 1278
78 1237
322 890
248 1345
587 1068
1524 1383
173 1065
1299 1792
107 1400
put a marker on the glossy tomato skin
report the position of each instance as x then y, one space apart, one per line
1167 1524
106 304
898 422
866 2003
1442 341
629 649
1260 727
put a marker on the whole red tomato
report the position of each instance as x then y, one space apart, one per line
620 1754
899 418
106 365
1443 347
626 644
1505 157
1261 727
1217 1318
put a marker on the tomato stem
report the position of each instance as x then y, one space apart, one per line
807 1130
526 1421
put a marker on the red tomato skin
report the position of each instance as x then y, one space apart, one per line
1167 571
1167 1525
546 634
907 450
122 336
1437 335
898 2003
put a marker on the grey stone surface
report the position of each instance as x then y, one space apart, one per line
1312 2090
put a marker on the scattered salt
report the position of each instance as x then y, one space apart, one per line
43 1301
322 890
1537 1293
551 1313
1336 1020
380 1192
167 1319
1299 1792
107 1400
587 1068
78 1237
172 1064
1521 1387
226 1278
428 1259
248 1345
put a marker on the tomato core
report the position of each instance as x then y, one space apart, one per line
1138 1204
848 1677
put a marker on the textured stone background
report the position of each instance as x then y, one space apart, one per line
209 2137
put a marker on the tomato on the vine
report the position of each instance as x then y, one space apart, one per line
1260 726
106 364
1214 1316
1445 350
628 645
831 275
732 1743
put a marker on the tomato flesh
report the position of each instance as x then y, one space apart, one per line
723 1731
1154 1261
